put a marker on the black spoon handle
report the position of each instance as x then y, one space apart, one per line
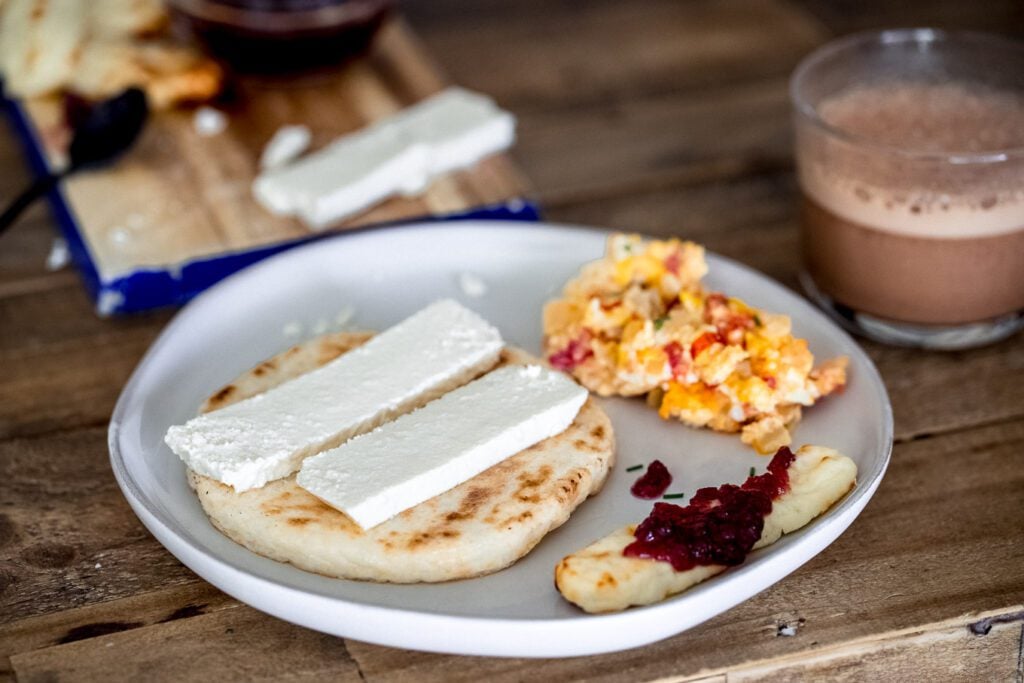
33 192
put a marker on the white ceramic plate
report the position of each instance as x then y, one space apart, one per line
387 275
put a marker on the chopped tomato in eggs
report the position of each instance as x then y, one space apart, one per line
638 322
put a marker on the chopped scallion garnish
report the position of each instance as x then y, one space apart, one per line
634 468
670 496
660 321
752 471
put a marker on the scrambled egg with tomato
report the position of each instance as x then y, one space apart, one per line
638 322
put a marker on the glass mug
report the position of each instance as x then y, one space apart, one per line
910 159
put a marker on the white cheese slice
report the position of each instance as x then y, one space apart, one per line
424 453
266 437
458 127
353 173
401 154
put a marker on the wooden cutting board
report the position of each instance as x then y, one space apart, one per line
176 214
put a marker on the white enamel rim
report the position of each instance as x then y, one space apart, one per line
580 634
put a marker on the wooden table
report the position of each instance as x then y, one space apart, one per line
665 117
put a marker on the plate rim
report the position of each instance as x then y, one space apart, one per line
365 619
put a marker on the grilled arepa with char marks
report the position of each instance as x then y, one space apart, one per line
478 527
600 578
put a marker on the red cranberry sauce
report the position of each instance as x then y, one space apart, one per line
653 482
719 526
775 481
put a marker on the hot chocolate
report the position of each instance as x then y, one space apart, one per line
914 200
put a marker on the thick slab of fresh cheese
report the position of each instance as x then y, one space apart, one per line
398 155
352 174
600 578
458 127
429 451
268 435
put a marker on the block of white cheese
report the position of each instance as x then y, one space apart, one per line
267 436
353 173
401 154
458 127
424 453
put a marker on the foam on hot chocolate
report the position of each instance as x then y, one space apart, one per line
948 120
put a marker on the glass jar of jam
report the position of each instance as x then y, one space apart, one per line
282 36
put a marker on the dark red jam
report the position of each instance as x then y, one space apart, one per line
653 483
572 355
719 526
775 481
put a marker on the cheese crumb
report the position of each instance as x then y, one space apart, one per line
472 285
109 302
59 255
209 122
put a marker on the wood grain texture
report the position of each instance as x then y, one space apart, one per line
234 645
63 366
24 248
178 195
111 616
67 536
668 141
667 118
845 16
617 52
941 652
946 651
923 517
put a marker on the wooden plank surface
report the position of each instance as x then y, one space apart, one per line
923 517
617 52
670 119
240 644
178 195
